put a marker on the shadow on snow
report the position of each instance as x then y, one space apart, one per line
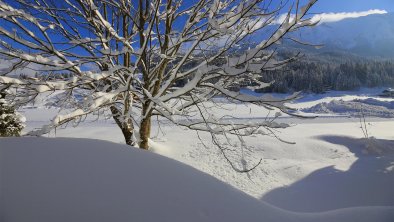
368 182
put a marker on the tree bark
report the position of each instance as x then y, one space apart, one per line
125 127
145 128
128 136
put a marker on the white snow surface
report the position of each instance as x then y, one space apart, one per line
309 100
332 167
357 108
83 180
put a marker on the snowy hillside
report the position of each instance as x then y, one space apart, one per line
84 180
371 35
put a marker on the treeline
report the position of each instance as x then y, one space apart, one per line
319 77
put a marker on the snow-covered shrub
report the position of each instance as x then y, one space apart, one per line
11 122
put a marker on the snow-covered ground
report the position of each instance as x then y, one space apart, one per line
83 180
331 166
309 100
354 108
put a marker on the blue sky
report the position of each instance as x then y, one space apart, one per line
325 6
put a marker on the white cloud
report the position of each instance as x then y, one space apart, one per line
334 17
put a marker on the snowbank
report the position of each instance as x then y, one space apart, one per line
61 179
370 107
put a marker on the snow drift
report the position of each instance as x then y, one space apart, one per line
89 180
355 108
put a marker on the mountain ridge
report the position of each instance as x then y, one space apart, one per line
367 36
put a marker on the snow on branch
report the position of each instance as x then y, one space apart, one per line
139 59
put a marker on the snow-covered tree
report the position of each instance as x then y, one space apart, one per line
11 122
128 57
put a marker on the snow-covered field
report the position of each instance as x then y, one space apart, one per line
331 166
81 180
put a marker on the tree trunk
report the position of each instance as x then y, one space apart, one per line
128 136
125 126
145 132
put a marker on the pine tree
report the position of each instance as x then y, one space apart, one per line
11 122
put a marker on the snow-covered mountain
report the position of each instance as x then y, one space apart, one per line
371 35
